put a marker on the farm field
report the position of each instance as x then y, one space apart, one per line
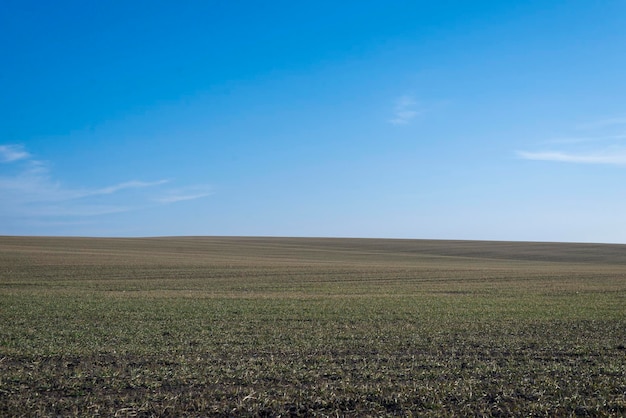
216 326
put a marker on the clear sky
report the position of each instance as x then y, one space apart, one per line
501 120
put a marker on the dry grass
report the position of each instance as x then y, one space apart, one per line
200 326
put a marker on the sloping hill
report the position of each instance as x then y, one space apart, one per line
314 249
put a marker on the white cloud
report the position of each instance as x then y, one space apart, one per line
32 192
405 111
615 158
10 153
126 185
604 123
602 143
587 139
187 193
35 184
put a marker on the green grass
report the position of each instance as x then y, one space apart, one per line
268 327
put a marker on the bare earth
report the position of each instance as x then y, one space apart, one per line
217 326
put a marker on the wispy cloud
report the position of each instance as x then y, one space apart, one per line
405 110
598 145
126 185
32 192
34 183
615 158
587 139
186 193
604 123
10 153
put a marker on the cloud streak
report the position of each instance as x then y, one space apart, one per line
589 139
604 123
597 146
10 153
187 193
613 158
405 111
32 192
126 185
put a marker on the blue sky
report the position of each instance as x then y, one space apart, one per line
400 119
